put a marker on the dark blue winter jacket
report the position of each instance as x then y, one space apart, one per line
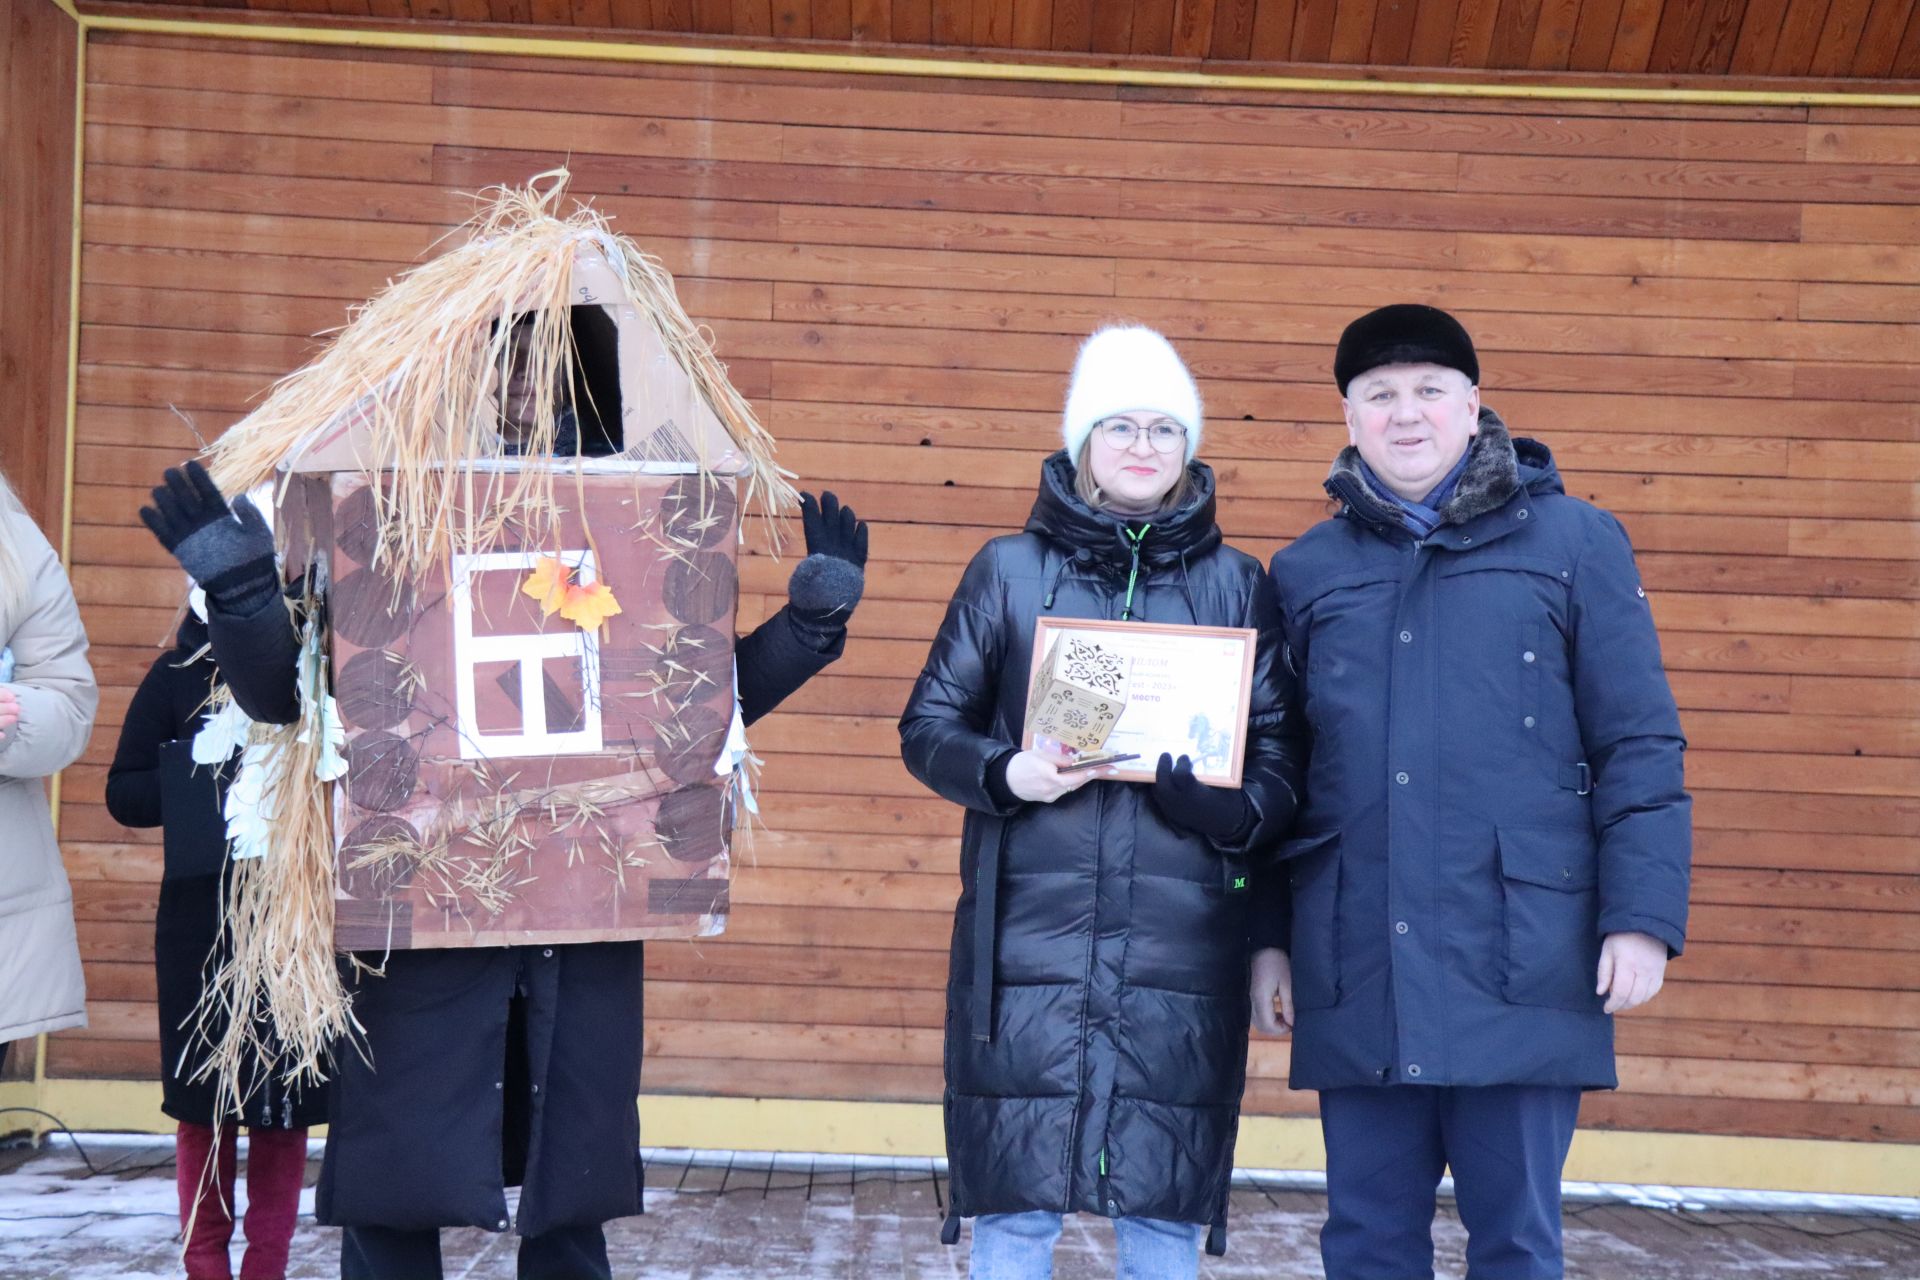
1495 781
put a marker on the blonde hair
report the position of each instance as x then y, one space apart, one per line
1088 492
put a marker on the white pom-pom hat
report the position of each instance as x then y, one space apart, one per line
1123 369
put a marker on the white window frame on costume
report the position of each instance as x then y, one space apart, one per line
530 652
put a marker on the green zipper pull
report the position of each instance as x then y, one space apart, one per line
1133 574
1103 1162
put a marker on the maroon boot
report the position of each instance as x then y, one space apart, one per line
206 1199
276 1168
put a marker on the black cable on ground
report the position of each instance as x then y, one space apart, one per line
93 1170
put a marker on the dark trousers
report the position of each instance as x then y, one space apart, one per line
382 1253
1386 1150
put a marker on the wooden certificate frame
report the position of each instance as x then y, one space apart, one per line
1177 673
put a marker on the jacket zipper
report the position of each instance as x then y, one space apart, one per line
1126 613
1133 572
1086 999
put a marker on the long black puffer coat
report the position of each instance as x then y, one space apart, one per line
1111 946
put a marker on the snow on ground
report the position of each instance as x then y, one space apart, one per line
746 1216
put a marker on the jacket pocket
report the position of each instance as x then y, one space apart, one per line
1551 909
1314 864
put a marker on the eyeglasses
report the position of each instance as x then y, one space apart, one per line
1164 436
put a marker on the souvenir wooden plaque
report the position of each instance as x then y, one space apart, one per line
1143 688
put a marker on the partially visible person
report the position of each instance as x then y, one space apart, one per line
1493 855
520 396
153 782
47 703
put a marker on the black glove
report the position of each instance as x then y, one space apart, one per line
1217 813
830 581
227 550
833 530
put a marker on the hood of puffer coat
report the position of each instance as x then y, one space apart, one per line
1060 516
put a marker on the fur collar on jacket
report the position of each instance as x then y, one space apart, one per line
1491 478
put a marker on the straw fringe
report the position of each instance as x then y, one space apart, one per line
278 994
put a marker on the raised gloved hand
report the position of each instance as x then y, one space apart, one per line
1190 804
227 550
829 582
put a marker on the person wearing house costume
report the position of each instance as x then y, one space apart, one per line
1096 1014
485 1067
481 1035
1493 855
153 783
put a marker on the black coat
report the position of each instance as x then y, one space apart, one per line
493 1066
1496 781
1111 945
152 783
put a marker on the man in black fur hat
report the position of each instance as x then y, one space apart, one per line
1492 856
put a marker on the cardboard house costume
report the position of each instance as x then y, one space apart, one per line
513 776
492 736
512 712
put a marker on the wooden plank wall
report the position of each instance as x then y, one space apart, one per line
38 48
1707 312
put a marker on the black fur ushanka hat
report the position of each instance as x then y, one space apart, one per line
1404 333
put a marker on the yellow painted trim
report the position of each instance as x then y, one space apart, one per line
1749 1164
73 305
40 1124
17 1093
792 1124
1292 1142
953 68
909 1129
105 1106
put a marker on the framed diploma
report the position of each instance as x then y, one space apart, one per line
1138 689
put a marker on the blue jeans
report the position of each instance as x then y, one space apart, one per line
1019 1246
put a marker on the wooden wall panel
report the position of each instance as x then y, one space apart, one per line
38 54
1708 313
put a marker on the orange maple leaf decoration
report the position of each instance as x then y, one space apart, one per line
589 607
551 583
548 584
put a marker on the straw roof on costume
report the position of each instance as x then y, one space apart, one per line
422 361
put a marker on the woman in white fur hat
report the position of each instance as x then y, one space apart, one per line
1097 994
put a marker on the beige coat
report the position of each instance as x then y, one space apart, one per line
41 988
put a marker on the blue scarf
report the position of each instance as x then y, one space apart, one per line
1423 517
